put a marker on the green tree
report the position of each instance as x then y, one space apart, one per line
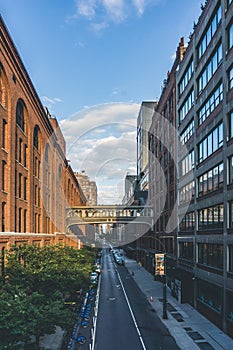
32 292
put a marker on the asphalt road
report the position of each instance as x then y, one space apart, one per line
126 320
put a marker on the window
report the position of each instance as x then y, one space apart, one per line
20 219
230 214
36 137
211 255
186 193
209 295
188 222
25 220
38 223
209 106
20 185
187 133
230 178
211 143
230 253
209 33
186 106
3 215
186 77
230 36
4 123
20 150
25 155
35 223
230 78
231 125
20 115
211 180
38 170
186 250
35 195
210 69
171 103
3 175
187 164
211 217
39 196
25 189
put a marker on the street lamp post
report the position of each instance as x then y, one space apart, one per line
160 269
165 291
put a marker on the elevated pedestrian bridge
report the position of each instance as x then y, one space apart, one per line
109 214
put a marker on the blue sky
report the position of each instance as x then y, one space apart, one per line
92 63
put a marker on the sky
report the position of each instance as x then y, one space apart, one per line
92 63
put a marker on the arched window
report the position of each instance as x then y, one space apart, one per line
36 137
20 121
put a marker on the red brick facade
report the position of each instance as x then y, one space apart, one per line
36 181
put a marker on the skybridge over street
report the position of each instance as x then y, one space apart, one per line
109 214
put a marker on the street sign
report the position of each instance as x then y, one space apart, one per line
160 264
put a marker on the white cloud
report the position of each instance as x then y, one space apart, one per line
140 6
102 140
98 27
50 102
86 8
116 9
104 12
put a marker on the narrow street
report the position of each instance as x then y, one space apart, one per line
126 320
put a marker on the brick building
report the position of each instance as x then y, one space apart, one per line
37 183
162 194
88 187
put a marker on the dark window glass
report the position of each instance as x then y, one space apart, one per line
20 115
211 217
211 255
3 216
36 137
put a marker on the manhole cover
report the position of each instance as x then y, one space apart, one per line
195 336
177 316
205 346
187 329
170 307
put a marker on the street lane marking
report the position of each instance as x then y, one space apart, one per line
131 312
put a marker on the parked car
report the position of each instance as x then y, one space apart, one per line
94 277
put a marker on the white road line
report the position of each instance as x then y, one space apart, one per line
96 313
131 311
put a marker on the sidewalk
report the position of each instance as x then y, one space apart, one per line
188 327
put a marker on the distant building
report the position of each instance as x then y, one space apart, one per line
88 186
162 167
143 125
130 183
